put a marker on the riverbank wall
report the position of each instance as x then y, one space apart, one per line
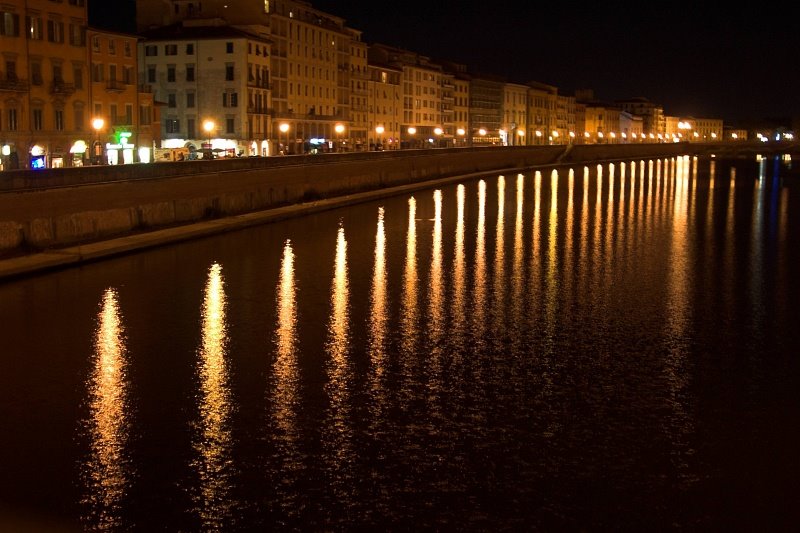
50 209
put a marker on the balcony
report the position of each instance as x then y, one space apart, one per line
115 86
15 85
256 110
59 88
259 84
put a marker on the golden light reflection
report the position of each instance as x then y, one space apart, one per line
459 308
584 238
479 292
552 257
499 253
337 435
569 218
436 323
285 367
410 311
519 251
213 442
379 318
107 471
677 319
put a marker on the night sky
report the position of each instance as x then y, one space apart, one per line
712 60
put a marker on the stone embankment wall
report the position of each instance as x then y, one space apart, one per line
61 207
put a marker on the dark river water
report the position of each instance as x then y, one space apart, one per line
609 347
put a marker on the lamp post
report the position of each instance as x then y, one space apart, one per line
460 132
379 130
283 128
208 127
438 132
482 133
339 128
411 132
538 136
97 124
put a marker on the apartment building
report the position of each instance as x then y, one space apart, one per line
384 108
515 112
310 56
44 87
653 120
213 86
421 122
355 138
542 114
121 111
461 122
485 110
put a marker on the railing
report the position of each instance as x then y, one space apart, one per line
14 85
115 86
259 84
62 88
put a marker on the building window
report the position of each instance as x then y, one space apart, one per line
229 48
145 115
77 75
190 129
35 28
173 125
234 99
189 72
151 50
127 75
189 99
112 47
77 35
97 72
190 49
128 114
9 24
12 119
229 125
171 73
127 49
36 74
112 73
55 31
79 118
59 118
170 49
37 120
172 100
229 72
151 74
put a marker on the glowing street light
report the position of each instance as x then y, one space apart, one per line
379 130
460 132
339 128
98 124
283 127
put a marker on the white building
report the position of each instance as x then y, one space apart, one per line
213 84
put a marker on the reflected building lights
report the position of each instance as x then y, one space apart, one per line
517 272
379 317
213 441
479 304
499 255
107 471
285 368
459 307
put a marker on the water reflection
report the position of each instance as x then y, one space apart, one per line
459 307
212 441
436 322
409 320
285 370
479 289
338 431
517 272
379 318
500 257
107 472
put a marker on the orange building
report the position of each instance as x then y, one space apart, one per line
124 121
43 83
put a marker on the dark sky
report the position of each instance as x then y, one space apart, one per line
711 60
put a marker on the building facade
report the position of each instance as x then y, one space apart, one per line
121 110
213 87
515 112
44 85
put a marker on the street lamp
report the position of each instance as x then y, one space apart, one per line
521 135
283 128
538 136
411 132
208 127
460 132
97 124
438 132
379 130
339 128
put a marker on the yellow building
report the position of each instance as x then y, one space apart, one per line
43 84
384 108
310 59
515 112
122 114
542 118
460 109
354 138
